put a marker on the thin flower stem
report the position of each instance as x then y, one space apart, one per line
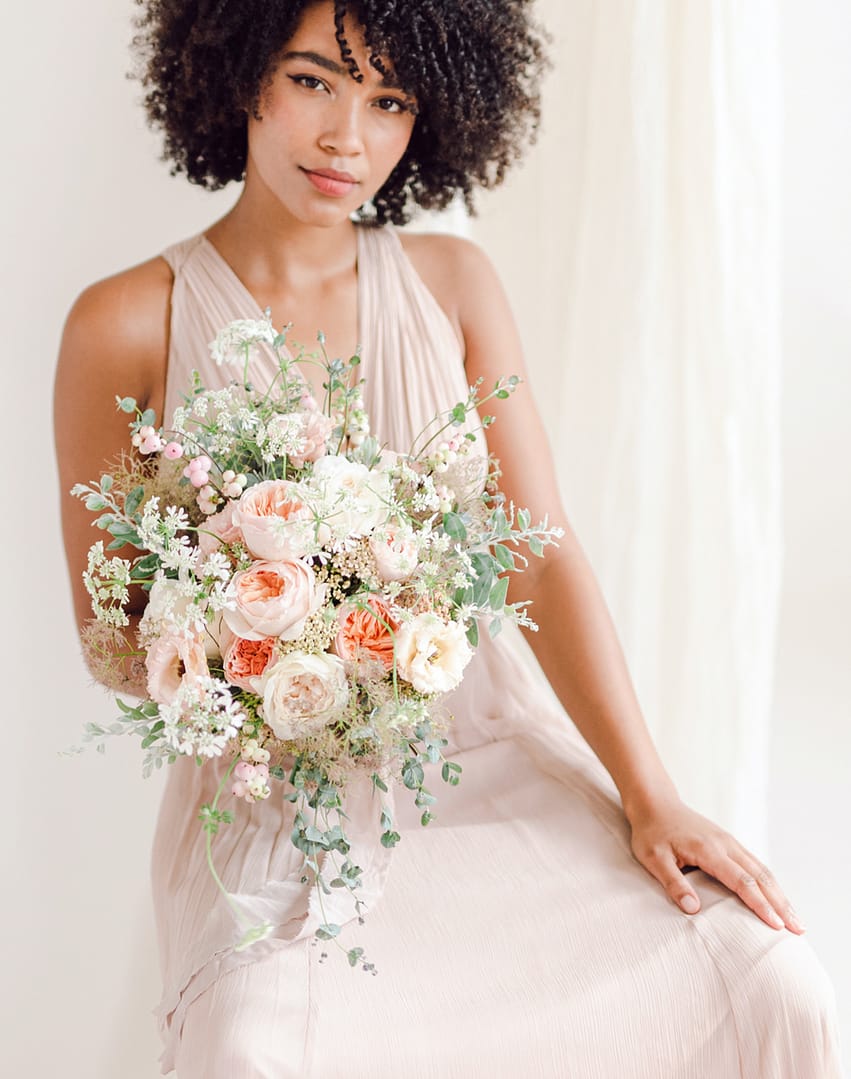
240 917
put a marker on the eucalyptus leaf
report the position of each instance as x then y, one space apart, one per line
454 526
496 599
133 500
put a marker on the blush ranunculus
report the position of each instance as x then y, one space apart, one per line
365 632
171 659
272 599
245 661
276 524
431 654
303 692
316 428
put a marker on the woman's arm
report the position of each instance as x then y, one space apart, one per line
115 342
577 645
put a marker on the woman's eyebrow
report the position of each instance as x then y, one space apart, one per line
332 65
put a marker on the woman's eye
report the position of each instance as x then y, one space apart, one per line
309 82
392 104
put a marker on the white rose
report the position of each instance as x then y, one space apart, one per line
395 552
354 498
303 692
167 607
431 654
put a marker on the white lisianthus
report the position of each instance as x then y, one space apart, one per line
303 692
354 499
431 654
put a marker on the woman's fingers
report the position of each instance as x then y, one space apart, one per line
771 890
748 878
663 865
754 885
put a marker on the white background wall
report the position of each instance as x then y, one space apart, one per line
83 196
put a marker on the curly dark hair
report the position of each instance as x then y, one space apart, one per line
474 67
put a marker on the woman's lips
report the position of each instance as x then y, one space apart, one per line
335 184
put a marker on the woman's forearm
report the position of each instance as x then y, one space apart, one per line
578 649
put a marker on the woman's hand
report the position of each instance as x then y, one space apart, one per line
667 837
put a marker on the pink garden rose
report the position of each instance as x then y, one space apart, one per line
311 429
394 551
222 526
170 660
272 599
275 524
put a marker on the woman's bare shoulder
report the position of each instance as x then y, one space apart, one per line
456 271
118 330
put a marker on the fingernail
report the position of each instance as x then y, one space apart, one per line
776 921
795 924
690 904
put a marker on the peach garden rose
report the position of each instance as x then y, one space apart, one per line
274 521
272 599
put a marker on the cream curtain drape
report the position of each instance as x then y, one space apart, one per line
652 326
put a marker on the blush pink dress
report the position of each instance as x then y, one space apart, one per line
515 935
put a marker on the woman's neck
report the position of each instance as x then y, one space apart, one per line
269 247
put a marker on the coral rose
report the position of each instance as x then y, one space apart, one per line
245 661
303 692
431 654
272 599
365 632
276 524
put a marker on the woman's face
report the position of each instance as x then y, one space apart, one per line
326 143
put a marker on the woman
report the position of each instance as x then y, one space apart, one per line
609 929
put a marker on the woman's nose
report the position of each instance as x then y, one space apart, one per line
342 132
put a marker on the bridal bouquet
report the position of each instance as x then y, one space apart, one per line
311 595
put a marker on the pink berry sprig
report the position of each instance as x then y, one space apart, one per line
197 471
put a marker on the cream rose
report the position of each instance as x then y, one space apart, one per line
303 692
431 654
170 660
272 599
395 552
274 521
